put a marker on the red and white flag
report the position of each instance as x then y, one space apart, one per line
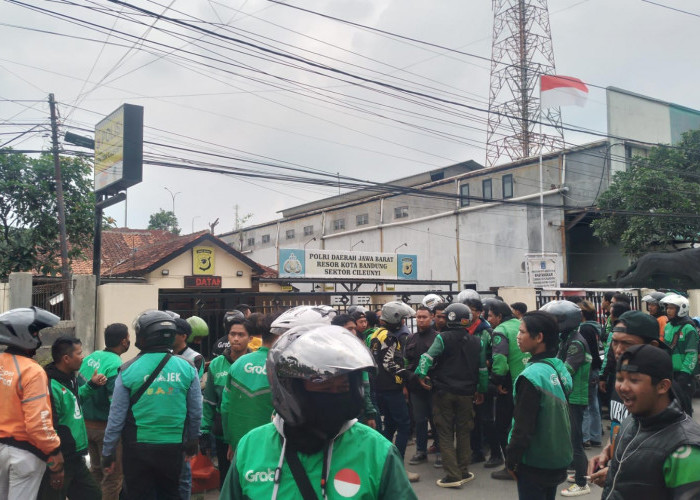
556 90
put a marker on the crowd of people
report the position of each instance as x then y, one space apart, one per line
314 403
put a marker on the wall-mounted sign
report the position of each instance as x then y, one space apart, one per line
203 260
542 270
297 263
202 281
119 150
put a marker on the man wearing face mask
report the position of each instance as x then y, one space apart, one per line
315 448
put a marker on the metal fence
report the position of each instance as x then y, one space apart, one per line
594 295
47 293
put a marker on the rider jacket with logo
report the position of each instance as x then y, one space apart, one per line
96 406
247 400
361 464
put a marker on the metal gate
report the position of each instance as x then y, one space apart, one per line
594 295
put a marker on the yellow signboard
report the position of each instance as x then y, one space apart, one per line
202 260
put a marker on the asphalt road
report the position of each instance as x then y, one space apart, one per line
482 487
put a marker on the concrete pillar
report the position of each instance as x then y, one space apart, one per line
20 290
519 294
694 299
84 310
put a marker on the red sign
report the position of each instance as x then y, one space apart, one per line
202 281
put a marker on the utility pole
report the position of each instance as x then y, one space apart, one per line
65 269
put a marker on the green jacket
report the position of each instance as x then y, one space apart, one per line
67 392
684 353
159 415
550 446
247 399
574 352
363 465
96 406
508 359
213 393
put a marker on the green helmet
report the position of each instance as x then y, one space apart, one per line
199 328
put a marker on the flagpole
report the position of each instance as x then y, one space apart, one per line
541 179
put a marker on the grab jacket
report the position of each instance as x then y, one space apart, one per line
361 464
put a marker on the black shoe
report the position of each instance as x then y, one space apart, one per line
477 458
587 445
596 444
502 474
449 482
493 462
418 458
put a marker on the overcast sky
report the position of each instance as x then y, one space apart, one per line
235 101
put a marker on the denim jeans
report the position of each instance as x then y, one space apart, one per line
592 422
185 486
394 409
422 412
580 461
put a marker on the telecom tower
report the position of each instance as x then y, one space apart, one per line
521 52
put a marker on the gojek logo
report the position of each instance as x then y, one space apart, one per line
251 368
260 477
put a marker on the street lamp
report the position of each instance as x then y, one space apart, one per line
312 239
193 218
353 246
173 197
401 245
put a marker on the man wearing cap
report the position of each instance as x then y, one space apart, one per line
657 451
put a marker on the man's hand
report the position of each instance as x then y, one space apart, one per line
424 383
478 398
108 464
502 390
602 386
191 447
98 378
597 466
372 423
598 478
55 462
229 453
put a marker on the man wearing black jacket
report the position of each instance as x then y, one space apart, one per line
416 345
458 381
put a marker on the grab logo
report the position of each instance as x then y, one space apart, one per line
251 368
260 477
347 483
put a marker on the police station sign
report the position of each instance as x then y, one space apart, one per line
542 270
297 263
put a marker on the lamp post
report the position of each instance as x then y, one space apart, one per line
401 245
172 195
312 239
353 246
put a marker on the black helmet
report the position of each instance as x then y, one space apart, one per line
313 352
458 315
20 327
567 313
230 316
487 303
154 329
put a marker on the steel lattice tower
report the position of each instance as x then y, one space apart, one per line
521 52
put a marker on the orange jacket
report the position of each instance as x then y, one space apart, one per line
25 412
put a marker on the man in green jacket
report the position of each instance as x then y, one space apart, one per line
507 363
96 406
67 391
539 446
238 338
576 355
315 448
681 336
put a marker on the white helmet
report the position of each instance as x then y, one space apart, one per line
431 300
679 301
467 294
302 315
395 311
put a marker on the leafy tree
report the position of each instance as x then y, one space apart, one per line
667 181
164 220
29 232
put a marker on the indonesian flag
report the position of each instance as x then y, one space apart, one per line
556 90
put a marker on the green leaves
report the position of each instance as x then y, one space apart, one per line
29 233
164 220
666 181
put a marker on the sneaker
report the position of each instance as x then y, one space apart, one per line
449 482
493 462
477 458
418 458
587 445
596 444
469 476
413 477
575 490
502 474
438 461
